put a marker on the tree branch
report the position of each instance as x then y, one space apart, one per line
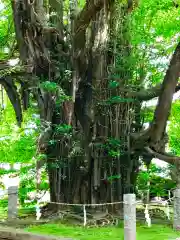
148 94
4 65
18 31
13 97
163 107
155 133
88 12
84 18
171 159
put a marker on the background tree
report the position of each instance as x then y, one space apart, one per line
174 139
155 182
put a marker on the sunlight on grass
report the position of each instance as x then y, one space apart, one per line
114 233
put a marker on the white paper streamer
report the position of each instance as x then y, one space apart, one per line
167 210
147 217
85 217
38 212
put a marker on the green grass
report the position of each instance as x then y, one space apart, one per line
106 233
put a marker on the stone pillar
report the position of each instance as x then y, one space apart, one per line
176 222
12 202
129 216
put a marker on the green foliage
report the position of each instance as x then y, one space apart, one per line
28 182
117 100
4 203
154 33
20 149
16 145
49 86
7 35
147 114
174 129
41 156
27 185
114 177
113 84
63 129
159 185
113 147
155 14
19 146
62 98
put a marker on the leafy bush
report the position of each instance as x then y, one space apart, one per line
4 203
159 185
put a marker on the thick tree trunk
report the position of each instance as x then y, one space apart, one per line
101 131
93 172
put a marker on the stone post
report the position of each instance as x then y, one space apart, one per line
176 222
12 202
129 216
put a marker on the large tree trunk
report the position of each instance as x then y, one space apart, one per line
85 178
93 170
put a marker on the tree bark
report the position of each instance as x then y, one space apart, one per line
163 107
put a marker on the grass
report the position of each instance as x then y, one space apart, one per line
159 232
105 233
22 212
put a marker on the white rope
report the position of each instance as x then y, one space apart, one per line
88 204
137 203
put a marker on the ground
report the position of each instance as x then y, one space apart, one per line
26 214
115 233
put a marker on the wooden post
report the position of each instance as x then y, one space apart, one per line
12 202
129 216
176 222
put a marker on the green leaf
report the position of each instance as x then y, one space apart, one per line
113 84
